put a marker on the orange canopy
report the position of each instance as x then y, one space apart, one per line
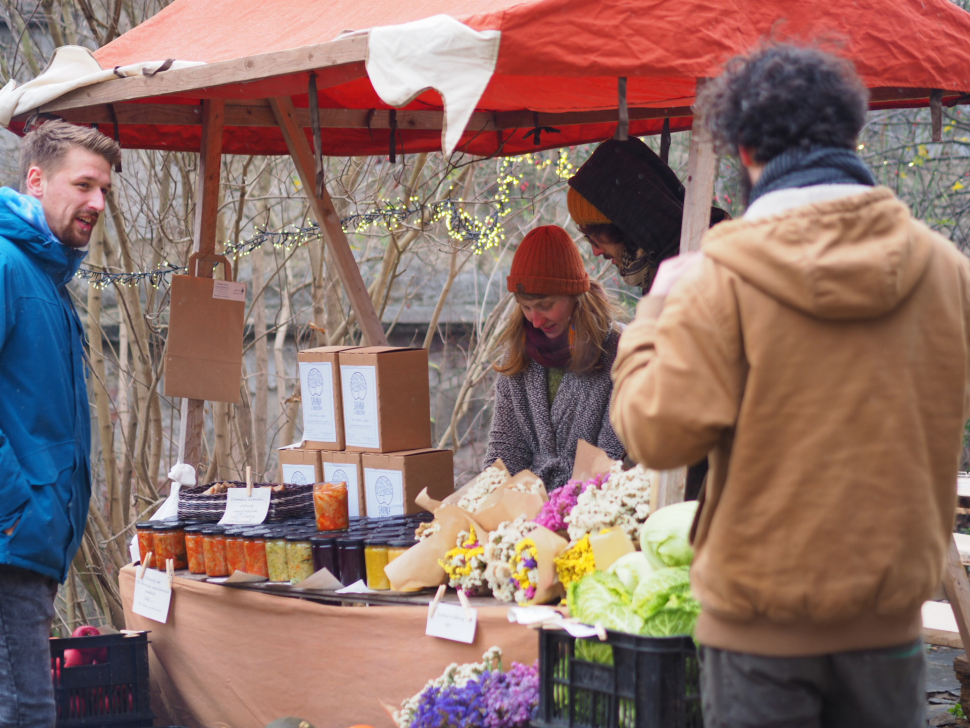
557 66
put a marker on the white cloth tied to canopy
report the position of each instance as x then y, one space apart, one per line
70 67
440 53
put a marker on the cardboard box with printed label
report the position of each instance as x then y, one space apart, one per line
300 465
393 480
323 421
386 399
345 466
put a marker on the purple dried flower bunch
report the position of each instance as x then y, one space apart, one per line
563 500
494 699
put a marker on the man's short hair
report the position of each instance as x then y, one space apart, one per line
781 97
47 145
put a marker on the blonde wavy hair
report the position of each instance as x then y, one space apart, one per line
594 318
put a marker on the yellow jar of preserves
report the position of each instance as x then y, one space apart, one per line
299 557
276 564
375 559
398 548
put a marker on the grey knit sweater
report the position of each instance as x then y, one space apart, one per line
528 433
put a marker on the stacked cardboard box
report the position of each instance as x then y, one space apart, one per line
367 420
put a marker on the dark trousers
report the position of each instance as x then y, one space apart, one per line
884 688
26 611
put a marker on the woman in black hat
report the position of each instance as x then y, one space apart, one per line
629 204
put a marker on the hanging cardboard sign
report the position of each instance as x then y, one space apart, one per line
205 336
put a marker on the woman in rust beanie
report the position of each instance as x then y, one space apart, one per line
556 353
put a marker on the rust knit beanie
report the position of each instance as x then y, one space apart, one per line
582 211
547 262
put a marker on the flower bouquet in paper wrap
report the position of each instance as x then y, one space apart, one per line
622 501
465 564
495 497
419 567
499 551
533 567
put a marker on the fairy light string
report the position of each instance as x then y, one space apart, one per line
482 233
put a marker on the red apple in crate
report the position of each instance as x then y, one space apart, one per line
92 655
73 658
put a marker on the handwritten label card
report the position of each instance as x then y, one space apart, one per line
453 622
245 510
153 595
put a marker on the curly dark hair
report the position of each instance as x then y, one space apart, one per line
783 96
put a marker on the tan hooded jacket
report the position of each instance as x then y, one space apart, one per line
822 357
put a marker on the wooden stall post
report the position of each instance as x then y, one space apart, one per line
326 216
204 241
701 171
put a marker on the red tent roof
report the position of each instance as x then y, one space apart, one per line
558 65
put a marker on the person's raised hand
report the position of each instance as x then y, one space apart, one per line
672 270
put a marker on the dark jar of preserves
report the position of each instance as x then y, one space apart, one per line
351 558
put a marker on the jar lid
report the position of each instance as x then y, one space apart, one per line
145 525
296 537
252 533
350 542
162 526
213 530
402 543
376 541
196 528
324 541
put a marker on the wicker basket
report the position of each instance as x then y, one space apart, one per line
291 502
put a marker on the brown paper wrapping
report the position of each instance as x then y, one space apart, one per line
431 505
506 504
549 545
590 460
418 567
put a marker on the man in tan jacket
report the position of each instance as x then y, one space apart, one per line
819 349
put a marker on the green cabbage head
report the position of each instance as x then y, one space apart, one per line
665 536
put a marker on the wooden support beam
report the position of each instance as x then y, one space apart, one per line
957 589
326 216
701 170
204 241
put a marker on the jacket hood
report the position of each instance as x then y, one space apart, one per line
23 223
852 258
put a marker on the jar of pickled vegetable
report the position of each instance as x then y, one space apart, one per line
276 566
146 540
235 550
325 554
350 554
398 547
299 557
330 506
165 537
194 549
254 550
214 548
375 559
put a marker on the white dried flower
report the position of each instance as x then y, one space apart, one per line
623 501
485 484
498 553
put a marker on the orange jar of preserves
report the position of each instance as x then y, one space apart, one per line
235 550
330 506
166 544
194 549
214 548
254 547
146 540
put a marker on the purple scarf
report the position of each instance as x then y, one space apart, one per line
550 353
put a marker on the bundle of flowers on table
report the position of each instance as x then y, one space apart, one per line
499 551
622 500
494 496
465 564
475 695
533 567
575 562
562 501
420 566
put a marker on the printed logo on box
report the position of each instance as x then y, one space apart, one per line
319 415
298 474
360 405
341 473
385 492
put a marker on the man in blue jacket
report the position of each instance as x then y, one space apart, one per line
45 434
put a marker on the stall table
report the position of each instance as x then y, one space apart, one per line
243 657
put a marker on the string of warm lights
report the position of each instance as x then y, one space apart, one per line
461 226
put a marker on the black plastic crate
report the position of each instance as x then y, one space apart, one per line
111 694
654 682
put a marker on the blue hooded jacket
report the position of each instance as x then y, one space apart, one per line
45 424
